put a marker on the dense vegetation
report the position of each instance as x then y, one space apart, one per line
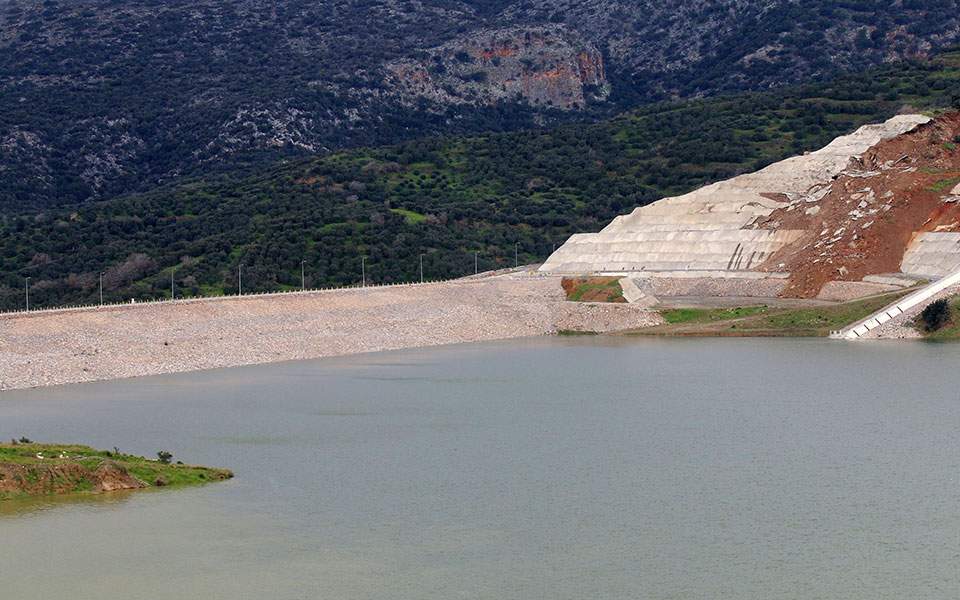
100 98
938 321
935 315
445 198
103 97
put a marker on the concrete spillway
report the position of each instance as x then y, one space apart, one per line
715 229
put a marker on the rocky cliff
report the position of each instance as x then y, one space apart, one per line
544 66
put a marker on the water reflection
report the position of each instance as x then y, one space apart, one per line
21 507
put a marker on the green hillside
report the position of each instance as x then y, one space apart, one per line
445 198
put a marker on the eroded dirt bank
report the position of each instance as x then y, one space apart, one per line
865 222
68 347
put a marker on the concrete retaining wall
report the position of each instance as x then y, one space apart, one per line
932 254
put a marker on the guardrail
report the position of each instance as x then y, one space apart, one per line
891 311
132 302
348 288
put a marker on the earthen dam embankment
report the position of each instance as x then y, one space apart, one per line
59 347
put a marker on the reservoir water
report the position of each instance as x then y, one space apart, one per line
541 469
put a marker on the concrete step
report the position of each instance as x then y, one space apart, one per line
711 227
895 309
932 254
634 295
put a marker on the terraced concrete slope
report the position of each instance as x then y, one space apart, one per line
853 209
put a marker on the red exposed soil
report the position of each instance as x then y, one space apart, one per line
63 478
873 210
598 289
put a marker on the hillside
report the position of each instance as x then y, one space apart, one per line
100 98
444 197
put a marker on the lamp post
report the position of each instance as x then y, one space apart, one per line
363 271
516 255
28 294
101 288
476 261
421 268
173 290
239 280
303 278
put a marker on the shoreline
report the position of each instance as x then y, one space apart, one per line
30 470
40 349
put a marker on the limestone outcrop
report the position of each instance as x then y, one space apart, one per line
544 66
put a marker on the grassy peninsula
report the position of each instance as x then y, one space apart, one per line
33 469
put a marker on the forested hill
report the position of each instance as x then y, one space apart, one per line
445 198
105 97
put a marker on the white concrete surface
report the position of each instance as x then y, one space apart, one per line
932 255
634 295
712 229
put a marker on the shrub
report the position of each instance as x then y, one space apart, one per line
935 315
165 457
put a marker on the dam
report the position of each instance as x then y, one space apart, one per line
872 211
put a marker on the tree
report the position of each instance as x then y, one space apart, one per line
935 315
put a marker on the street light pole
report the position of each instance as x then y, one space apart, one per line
239 280
173 290
101 289
303 278
421 268
363 271
516 255
28 294
476 261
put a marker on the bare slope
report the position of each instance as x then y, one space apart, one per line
876 213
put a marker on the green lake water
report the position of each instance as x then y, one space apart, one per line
562 468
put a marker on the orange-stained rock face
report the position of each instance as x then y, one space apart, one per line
498 52
591 67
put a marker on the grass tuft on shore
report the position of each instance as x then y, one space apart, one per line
814 321
709 315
